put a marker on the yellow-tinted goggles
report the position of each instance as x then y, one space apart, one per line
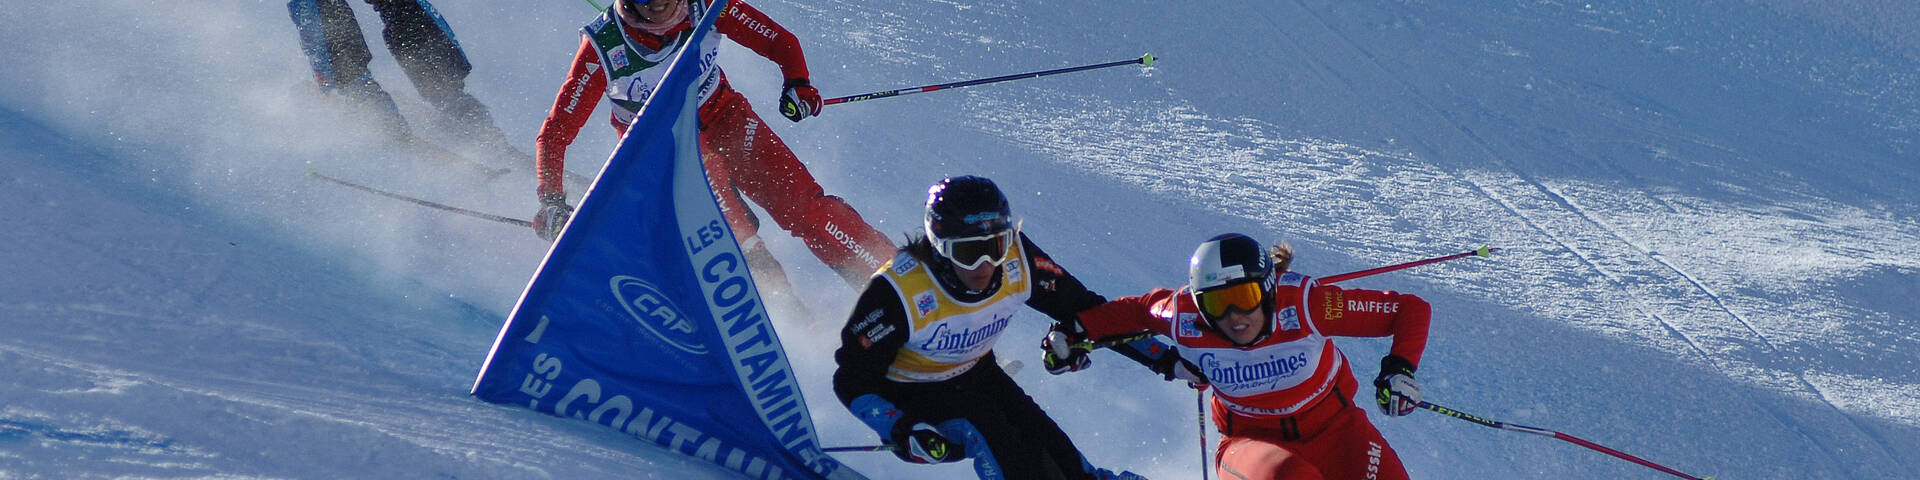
1243 296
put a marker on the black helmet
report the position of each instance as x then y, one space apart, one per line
968 221
1231 272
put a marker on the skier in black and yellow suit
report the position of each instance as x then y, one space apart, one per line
916 357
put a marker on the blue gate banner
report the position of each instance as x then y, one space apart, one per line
644 317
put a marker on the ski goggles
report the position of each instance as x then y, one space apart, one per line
972 252
1241 297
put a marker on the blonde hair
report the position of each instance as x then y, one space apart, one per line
1282 257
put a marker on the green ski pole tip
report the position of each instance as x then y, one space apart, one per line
1146 60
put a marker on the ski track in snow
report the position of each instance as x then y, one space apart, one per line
1584 216
1175 156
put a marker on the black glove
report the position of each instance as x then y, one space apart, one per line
919 442
799 100
1065 350
553 216
1395 389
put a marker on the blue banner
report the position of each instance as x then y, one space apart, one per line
644 318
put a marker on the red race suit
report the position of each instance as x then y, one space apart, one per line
1284 405
742 155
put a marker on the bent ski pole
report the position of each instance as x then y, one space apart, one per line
1483 251
1145 60
423 203
1557 435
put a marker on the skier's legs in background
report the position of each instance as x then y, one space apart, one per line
425 48
332 40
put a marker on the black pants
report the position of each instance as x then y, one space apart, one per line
1023 439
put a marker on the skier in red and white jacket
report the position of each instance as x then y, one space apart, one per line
1260 336
624 54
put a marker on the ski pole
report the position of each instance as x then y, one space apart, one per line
1145 60
1109 342
1200 399
863 448
420 202
1557 435
1483 251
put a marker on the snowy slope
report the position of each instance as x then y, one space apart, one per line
1712 257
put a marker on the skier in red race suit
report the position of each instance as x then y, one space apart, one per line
624 54
1260 336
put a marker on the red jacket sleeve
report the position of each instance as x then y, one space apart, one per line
1127 315
754 30
1374 313
571 110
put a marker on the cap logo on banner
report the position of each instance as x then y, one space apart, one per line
653 311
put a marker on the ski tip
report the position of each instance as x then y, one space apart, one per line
1146 60
1485 251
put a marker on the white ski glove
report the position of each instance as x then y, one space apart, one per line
1395 389
1061 352
799 100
